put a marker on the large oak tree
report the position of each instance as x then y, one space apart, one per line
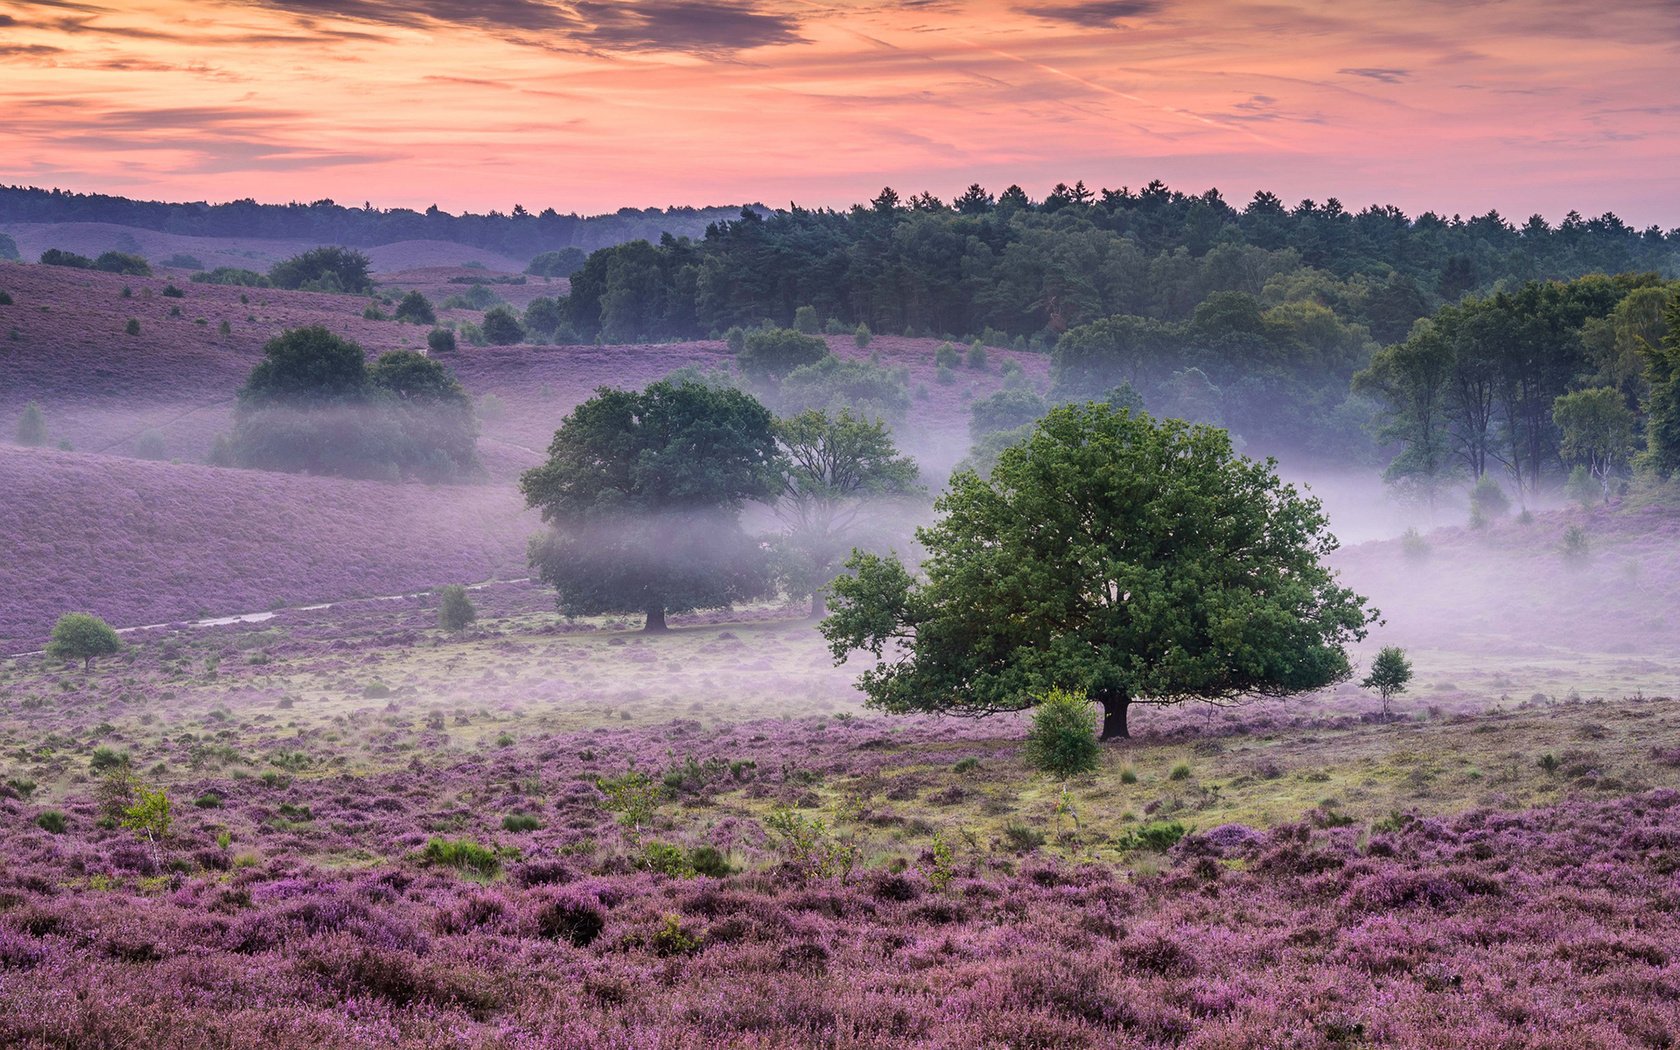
1132 560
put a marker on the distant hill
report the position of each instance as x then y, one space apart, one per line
514 237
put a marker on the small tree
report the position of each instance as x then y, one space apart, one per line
862 336
84 637
416 309
326 269
440 341
1063 739
149 817
455 609
32 426
1597 431
836 468
1390 672
768 354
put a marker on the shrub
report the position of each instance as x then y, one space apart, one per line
463 855
832 385
84 637
440 341
1128 775
1413 546
5 299
133 326
172 292
104 759
736 339
709 861
123 263
977 358
51 821
208 800
1021 838
183 261
1180 772
455 609
416 309
59 257
32 426
1005 410
501 326
373 313
1488 500
672 938
149 445
1159 836
862 336
805 320
665 859
1063 738
944 376
546 317
224 328
232 275
8 248
1577 546
769 354
519 822
947 356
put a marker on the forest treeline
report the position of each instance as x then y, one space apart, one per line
519 233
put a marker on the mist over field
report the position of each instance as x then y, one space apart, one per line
1200 576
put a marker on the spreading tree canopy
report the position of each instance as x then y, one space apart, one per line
643 492
84 637
1133 560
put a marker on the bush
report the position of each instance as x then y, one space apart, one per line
183 261
1005 410
501 326
944 376
59 257
232 275
440 341
1488 500
149 445
1159 836
123 263
520 822
736 339
32 426
832 385
862 336
1021 838
709 861
770 354
416 309
8 248
1180 772
665 859
672 938
947 356
105 759
463 855
576 921
84 637
455 609
133 326
546 318
1577 546
5 299
1063 738
977 358
172 292
51 821
1413 546
805 320
325 269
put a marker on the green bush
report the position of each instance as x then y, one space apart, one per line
1063 738
232 275
977 357
1022 838
455 609
123 263
561 263
59 257
1413 546
862 336
416 309
5 299
1180 772
1488 500
665 859
947 356
518 822
672 938
709 861
463 855
769 354
440 341
208 800
172 292
1577 546
736 339
84 637
1159 836
133 326
52 821
502 326
805 320
183 261
325 269
105 759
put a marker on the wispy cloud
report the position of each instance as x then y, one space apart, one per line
1095 15
1386 76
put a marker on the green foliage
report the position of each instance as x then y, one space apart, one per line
440 341
1413 546
1063 739
59 257
1390 672
1159 836
836 470
84 637
1662 405
8 248
1488 500
1577 545
834 385
51 821
672 938
150 815
665 859
736 340
455 609
862 336
416 309
1022 838
172 292
1005 410
643 494
807 847
561 263
709 861
769 354
942 868
105 759
977 358
1597 431
806 321
1583 488
133 326
183 261
1140 561
32 426
325 269
123 263
947 356
314 405
1181 771
634 796
232 275
501 326
462 854
521 822
150 445
547 319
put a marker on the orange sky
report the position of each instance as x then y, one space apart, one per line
1453 105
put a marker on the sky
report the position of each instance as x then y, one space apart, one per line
1455 106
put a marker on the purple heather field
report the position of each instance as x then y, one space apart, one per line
541 832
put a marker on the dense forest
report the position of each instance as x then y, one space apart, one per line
520 233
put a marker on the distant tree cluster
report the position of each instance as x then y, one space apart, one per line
108 262
314 405
325 269
1527 383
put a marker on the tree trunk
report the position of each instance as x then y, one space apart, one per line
655 620
1114 707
